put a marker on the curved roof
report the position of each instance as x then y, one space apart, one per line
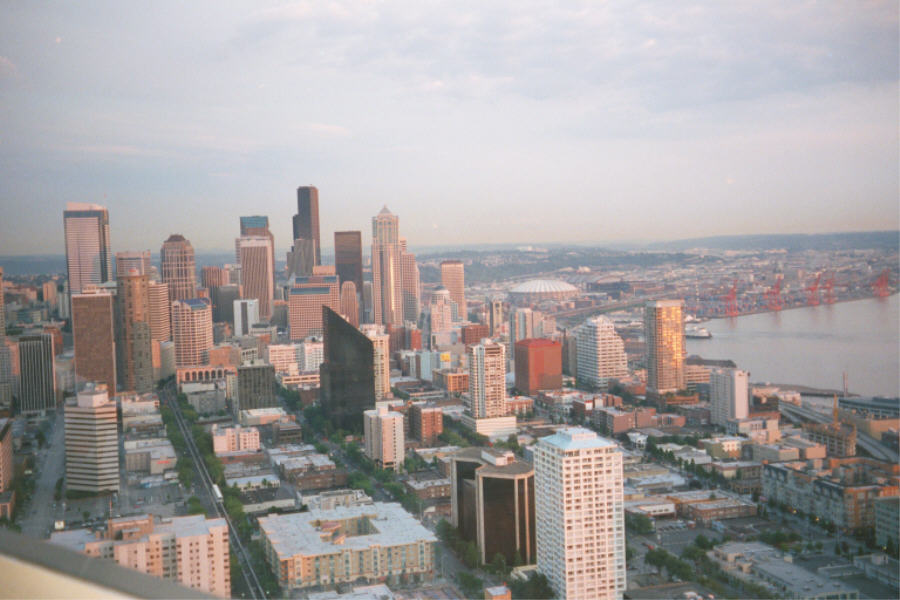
543 286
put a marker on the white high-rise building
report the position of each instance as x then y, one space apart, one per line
311 354
580 514
92 442
88 256
246 313
383 431
381 341
600 351
729 395
487 379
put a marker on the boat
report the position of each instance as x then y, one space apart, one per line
697 333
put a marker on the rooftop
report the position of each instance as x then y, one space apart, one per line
576 438
299 533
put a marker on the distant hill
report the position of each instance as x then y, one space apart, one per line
792 242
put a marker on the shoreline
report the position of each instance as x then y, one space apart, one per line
786 308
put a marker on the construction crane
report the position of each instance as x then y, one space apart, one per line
812 292
730 300
828 286
773 296
880 286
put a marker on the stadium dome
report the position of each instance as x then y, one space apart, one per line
537 290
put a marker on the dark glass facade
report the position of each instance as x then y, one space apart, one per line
347 373
306 221
348 257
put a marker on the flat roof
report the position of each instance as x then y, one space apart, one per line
298 534
576 438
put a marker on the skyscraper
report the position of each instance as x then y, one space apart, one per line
134 349
88 257
729 395
664 338
306 221
580 515
94 336
213 277
258 225
495 316
386 272
2 311
192 331
178 268
347 373
380 359
160 311
487 379
350 303
256 272
137 260
301 259
439 310
409 276
348 257
600 352
453 278
37 373
521 326
246 313
256 385
92 442
223 298
6 366
305 302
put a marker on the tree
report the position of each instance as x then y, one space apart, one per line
471 557
535 588
471 585
518 562
498 564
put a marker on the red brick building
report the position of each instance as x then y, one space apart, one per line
538 365
472 334
426 423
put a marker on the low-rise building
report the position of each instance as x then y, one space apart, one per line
843 491
428 487
839 440
759 429
150 455
759 563
723 446
331 499
346 544
235 439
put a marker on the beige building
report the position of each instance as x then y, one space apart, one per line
409 278
454 279
664 335
580 514
233 439
191 550
387 287
177 267
384 437
487 380
350 303
382 366
92 442
347 543
192 325
257 271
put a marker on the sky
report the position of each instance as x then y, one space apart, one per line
475 122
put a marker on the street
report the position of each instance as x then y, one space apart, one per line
42 510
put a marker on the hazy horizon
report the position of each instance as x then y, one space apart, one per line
513 122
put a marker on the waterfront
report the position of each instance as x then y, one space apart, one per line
813 346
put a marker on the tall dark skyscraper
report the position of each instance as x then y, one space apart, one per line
347 373
348 257
37 373
306 221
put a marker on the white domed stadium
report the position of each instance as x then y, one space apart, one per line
539 290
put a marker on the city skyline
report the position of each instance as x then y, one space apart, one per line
669 112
